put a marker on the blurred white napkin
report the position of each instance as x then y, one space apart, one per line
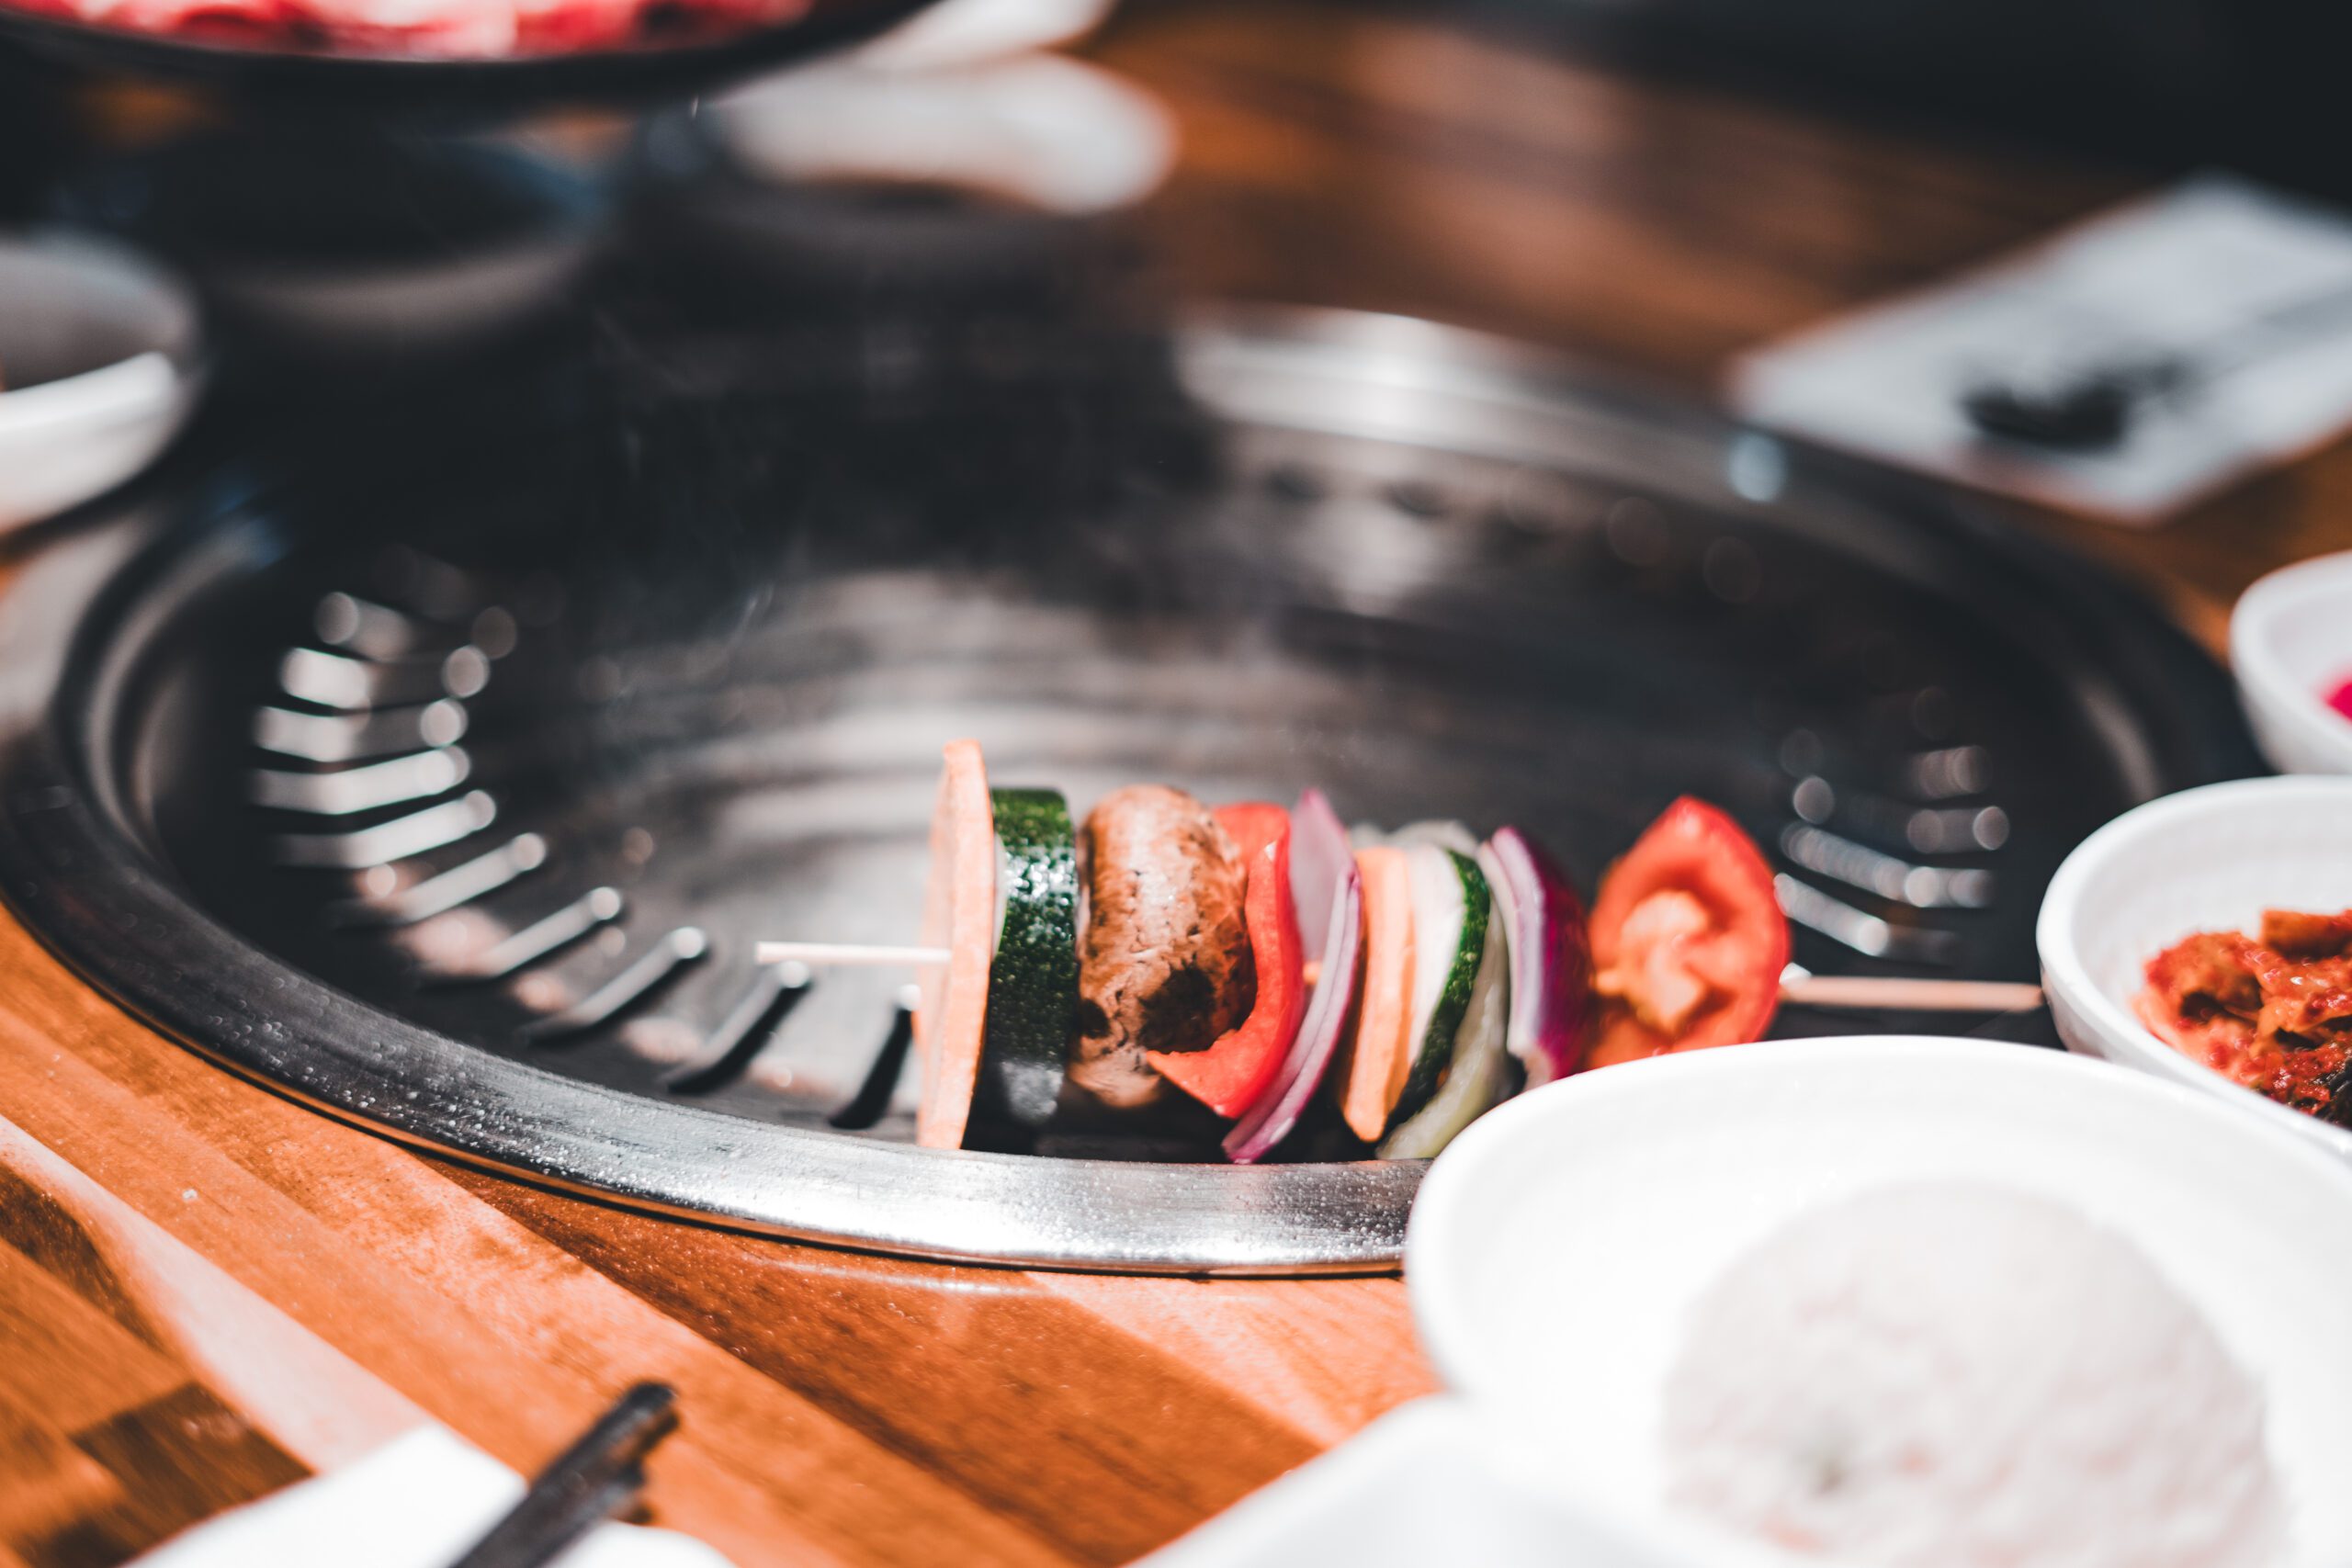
417 1502
2184 271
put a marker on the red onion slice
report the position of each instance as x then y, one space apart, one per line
1330 893
1551 962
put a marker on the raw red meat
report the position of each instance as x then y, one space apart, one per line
472 30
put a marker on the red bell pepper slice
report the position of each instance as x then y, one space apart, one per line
1688 940
1229 1076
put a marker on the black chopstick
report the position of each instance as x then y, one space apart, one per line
593 1480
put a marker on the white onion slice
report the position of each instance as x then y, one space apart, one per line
1550 956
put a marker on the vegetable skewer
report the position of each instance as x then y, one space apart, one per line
1074 976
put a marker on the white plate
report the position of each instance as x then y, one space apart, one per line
1558 1245
2291 643
2210 859
101 349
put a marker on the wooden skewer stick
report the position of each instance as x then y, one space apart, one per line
1887 993
1799 985
846 954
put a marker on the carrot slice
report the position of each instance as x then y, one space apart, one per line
959 914
1379 1054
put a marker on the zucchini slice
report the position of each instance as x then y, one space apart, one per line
1482 1072
1452 910
1033 985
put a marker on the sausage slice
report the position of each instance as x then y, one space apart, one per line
1164 963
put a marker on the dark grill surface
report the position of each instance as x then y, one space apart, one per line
527 738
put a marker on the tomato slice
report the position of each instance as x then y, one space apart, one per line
1228 1076
1688 940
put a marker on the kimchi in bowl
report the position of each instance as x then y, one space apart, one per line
2206 860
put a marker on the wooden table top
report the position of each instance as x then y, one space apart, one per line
206 1290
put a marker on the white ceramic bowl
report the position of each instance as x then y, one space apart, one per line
2210 859
1558 1245
100 349
2291 643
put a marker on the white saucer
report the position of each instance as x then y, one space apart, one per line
1558 1243
98 352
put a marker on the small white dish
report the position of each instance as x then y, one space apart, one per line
2205 860
97 370
1046 132
961 32
2290 644
1558 1243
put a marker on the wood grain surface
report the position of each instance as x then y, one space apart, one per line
206 1290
